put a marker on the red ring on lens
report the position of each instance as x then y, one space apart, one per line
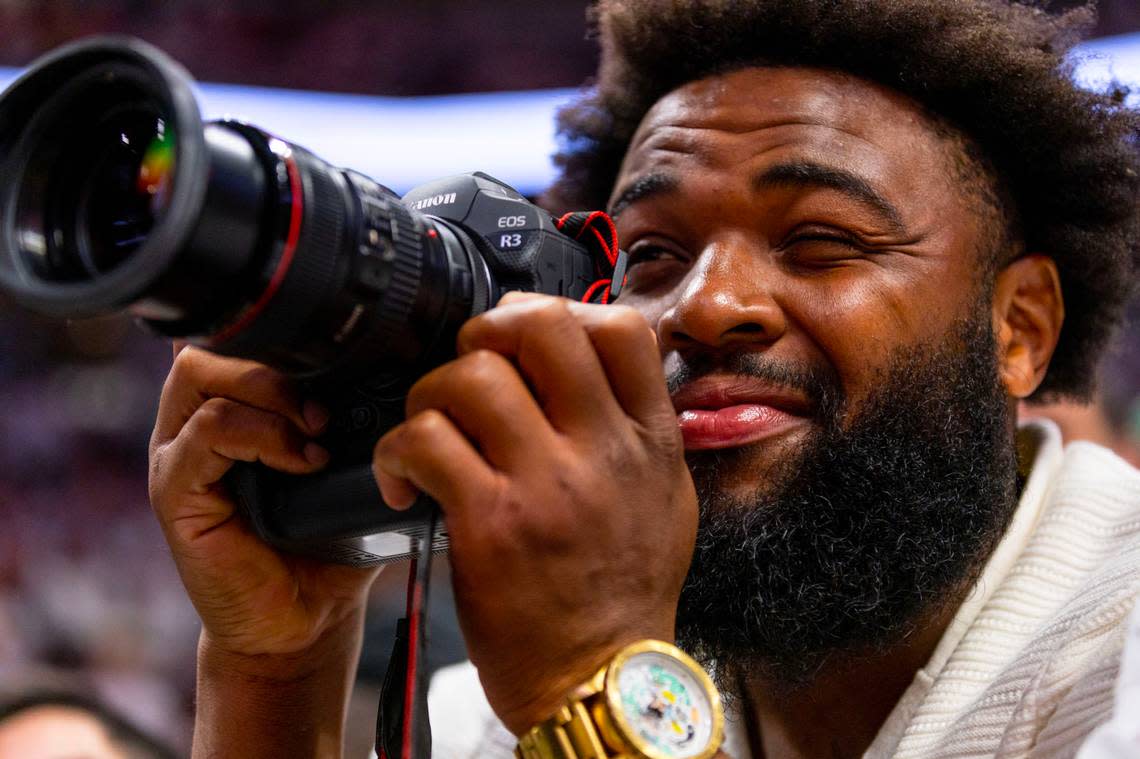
296 210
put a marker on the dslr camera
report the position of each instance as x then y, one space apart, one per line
117 197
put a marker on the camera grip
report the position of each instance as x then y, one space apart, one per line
336 515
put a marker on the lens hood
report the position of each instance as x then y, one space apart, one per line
67 90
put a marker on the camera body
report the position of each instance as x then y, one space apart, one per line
336 514
117 197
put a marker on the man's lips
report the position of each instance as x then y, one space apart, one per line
729 412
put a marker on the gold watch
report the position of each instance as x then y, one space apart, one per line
652 701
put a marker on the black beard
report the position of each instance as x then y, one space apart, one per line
883 518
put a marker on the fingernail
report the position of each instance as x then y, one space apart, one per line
316 416
315 454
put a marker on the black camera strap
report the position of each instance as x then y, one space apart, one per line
403 730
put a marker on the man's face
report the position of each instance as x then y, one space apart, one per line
803 215
810 254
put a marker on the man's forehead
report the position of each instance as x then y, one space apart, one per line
748 98
829 117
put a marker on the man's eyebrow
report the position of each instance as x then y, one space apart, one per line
808 174
643 187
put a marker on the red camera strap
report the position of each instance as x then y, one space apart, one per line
596 230
403 730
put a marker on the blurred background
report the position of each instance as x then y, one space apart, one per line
88 596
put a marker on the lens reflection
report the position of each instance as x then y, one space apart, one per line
88 196
125 192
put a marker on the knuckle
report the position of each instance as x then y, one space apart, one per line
624 322
617 456
482 368
423 394
471 330
556 309
515 296
578 484
186 359
419 394
553 533
184 368
424 427
553 525
626 317
506 524
213 416
552 315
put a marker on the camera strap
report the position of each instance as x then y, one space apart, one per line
596 230
403 730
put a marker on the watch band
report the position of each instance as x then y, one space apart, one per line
573 731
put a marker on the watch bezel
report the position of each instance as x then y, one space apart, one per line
617 716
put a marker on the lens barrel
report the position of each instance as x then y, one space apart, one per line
117 196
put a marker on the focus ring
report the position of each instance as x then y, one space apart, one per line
313 270
407 268
396 303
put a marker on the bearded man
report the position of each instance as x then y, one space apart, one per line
860 231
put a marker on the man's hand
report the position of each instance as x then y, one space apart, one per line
280 633
253 601
553 448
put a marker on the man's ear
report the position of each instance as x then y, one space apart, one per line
1028 311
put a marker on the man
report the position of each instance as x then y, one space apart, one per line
860 231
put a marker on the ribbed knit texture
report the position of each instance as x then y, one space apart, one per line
1034 672
1027 666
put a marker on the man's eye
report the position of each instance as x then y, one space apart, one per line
641 253
823 248
652 266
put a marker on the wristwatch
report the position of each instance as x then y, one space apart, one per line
652 701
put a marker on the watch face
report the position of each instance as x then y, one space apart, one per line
664 705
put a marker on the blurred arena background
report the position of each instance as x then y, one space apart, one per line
88 596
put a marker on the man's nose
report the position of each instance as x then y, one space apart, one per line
727 302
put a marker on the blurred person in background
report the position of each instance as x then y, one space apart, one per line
68 726
1112 417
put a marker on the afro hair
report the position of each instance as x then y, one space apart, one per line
1065 158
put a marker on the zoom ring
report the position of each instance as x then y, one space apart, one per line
311 276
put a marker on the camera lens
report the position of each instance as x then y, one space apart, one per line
126 190
88 202
116 195
106 172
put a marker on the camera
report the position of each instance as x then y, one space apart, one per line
117 197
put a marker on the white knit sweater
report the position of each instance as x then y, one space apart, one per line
1027 666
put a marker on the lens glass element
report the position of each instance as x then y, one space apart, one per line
125 192
90 194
